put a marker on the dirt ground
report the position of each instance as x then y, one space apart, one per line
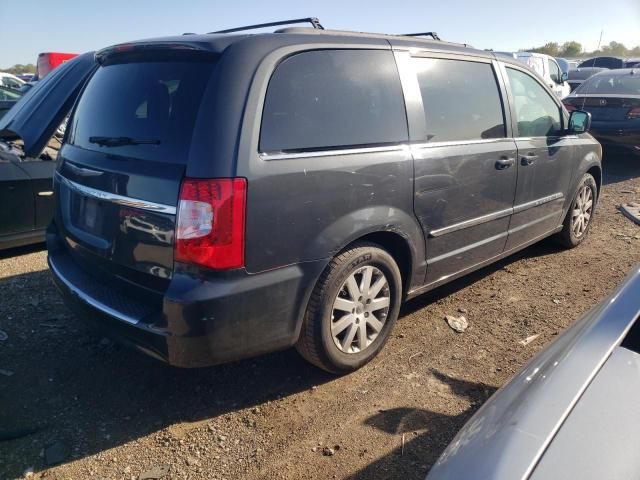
68 395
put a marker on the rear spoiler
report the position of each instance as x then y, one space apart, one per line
143 49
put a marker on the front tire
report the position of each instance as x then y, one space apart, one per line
352 309
578 221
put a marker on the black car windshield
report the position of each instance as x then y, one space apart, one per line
611 85
142 109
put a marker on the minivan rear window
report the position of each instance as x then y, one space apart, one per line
144 110
333 98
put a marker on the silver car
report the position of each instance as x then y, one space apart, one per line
571 412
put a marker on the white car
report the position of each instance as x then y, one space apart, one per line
11 81
545 66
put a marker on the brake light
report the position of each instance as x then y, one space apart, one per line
570 108
210 223
634 113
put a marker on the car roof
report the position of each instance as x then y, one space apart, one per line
219 42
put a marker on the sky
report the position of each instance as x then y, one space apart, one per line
32 26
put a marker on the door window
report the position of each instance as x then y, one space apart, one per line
461 100
537 114
554 71
333 98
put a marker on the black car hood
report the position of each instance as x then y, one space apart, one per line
35 117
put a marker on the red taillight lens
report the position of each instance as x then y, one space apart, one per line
634 113
210 223
570 108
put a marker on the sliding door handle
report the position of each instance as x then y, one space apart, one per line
504 163
528 160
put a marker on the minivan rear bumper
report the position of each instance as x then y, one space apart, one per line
201 321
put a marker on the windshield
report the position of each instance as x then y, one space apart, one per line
611 85
143 110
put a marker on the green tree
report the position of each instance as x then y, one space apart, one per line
614 49
574 49
19 68
551 48
571 49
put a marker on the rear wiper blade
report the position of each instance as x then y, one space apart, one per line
121 141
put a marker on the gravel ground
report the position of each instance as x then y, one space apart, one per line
73 405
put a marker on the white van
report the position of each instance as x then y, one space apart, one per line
545 66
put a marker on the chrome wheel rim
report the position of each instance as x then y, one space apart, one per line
360 309
582 210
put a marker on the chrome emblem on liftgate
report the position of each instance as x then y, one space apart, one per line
603 102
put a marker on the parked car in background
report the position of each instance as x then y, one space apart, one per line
632 62
10 81
612 63
571 412
203 224
26 77
564 65
8 98
577 76
613 99
27 86
47 61
27 160
547 67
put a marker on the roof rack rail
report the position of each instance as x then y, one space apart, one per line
315 23
433 35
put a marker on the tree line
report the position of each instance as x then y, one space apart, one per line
19 69
575 49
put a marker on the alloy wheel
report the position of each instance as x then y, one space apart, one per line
582 210
360 309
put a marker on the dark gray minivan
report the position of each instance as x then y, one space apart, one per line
225 195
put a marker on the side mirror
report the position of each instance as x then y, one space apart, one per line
564 77
579 122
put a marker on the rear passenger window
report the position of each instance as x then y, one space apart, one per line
333 98
537 114
461 100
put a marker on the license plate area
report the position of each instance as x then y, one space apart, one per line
87 214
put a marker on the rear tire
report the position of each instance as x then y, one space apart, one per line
577 223
352 309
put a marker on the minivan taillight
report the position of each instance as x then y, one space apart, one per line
210 223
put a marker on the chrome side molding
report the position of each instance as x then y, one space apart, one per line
495 215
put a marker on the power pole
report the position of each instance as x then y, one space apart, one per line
600 41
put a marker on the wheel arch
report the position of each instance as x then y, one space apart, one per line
596 172
396 245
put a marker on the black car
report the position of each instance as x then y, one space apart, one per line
632 63
612 63
224 195
27 163
613 99
577 76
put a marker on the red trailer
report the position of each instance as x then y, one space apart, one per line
47 61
